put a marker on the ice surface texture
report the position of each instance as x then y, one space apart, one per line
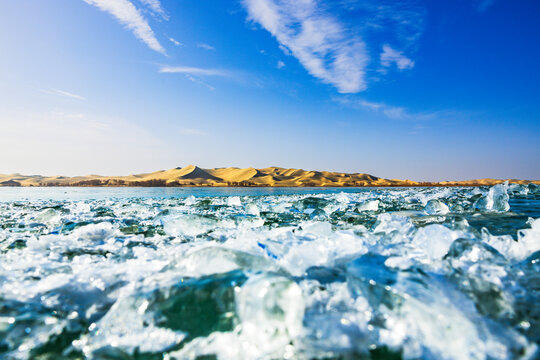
429 273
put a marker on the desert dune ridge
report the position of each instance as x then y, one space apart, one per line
192 175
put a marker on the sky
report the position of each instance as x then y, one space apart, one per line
410 89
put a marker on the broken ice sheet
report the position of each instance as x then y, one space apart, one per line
434 273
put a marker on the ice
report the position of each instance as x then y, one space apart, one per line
342 198
317 214
95 232
427 318
252 209
189 225
388 223
49 216
234 201
271 310
496 200
127 328
436 207
271 306
530 238
527 243
190 200
215 260
412 273
434 240
372 205
517 189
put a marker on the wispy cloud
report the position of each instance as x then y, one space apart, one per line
280 64
391 56
389 111
156 8
388 21
334 40
194 71
62 93
174 41
127 14
392 112
206 47
199 81
316 38
188 131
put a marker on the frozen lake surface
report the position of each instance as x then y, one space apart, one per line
270 273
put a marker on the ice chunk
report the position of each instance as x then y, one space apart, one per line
189 224
480 272
372 205
271 310
390 222
318 214
527 243
425 317
496 200
434 240
95 232
214 260
271 304
465 252
342 198
252 209
234 201
518 189
436 207
48 216
530 238
304 255
126 328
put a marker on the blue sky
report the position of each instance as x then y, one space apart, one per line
426 90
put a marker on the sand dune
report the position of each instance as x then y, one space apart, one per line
272 176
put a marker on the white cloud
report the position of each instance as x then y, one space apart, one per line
280 64
206 47
193 71
390 56
321 43
199 81
128 15
155 7
62 93
396 112
367 104
175 42
388 21
187 131
392 112
285 50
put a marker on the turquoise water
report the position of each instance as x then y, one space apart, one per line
270 273
88 193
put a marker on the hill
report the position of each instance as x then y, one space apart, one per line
272 176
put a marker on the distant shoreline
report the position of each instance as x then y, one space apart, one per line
193 176
270 186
